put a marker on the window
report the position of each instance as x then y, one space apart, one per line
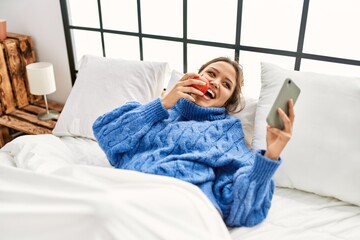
265 23
210 20
320 36
332 29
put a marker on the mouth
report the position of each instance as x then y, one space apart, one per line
210 94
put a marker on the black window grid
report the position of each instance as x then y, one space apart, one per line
237 46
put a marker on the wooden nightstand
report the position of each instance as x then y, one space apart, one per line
18 107
25 121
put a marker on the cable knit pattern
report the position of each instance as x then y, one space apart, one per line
203 146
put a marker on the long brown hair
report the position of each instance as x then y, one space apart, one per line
234 103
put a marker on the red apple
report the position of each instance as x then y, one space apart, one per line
202 88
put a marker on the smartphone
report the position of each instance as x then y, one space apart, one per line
288 90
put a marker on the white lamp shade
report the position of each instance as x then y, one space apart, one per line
41 78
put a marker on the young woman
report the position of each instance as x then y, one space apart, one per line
190 135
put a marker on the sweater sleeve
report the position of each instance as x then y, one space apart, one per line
245 197
120 130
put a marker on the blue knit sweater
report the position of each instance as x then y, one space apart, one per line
203 146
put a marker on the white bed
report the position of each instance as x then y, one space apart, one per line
297 214
61 186
71 192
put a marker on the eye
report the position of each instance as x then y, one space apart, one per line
227 85
211 73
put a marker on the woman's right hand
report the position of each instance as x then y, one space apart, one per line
182 89
277 139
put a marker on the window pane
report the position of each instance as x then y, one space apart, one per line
121 46
79 16
162 17
330 68
164 51
198 55
212 20
251 63
119 15
271 24
86 42
333 28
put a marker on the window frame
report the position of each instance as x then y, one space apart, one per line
237 46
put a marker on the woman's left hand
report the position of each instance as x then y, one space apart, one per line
277 139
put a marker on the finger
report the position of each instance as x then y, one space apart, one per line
291 110
189 97
187 76
192 81
179 88
193 90
286 120
198 82
278 134
274 130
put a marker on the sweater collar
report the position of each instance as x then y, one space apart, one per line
191 111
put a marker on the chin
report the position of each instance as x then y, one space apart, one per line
203 103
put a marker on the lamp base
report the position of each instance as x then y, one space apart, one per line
51 114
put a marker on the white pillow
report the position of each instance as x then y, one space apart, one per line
247 115
103 84
247 118
323 156
175 76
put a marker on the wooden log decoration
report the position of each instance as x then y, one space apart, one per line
27 54
17 116
6 94
5 136
23 126
16 71
26 47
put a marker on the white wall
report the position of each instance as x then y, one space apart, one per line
41 19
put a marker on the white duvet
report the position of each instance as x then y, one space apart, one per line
63 188
49 191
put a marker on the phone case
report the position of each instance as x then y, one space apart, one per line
288 90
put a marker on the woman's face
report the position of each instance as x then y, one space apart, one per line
222 79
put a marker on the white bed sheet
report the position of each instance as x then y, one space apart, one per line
298 215
81 173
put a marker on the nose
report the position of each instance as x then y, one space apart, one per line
215 84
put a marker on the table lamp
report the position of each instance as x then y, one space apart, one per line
42 81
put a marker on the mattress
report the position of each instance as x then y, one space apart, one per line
106 203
